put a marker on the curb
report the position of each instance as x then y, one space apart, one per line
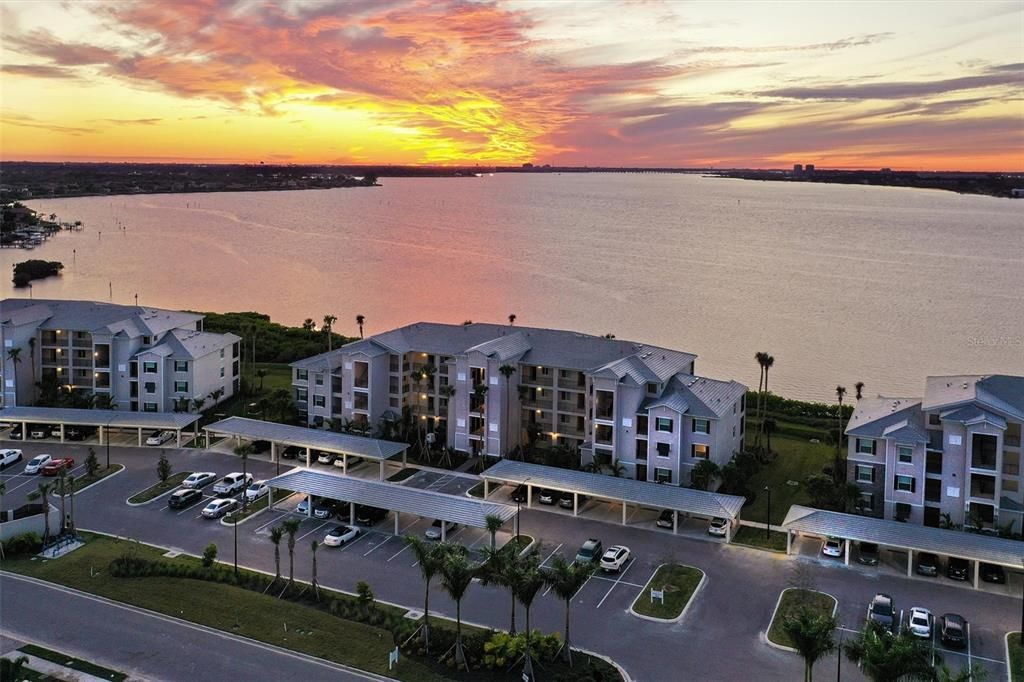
105 478
150 501
250 517
1006 649
526 550
689 602
622 671
778 602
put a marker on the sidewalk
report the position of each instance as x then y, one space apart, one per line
52 669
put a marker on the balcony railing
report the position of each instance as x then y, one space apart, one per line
538 380
570 406
987 463
1011 441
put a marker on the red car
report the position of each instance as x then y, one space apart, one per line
55 466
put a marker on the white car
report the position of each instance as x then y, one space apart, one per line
920 622
234 482
340 535
718 526
434 532
614 558
218 508
199 479
257 490
833 547
159 437
38 432
36 464
9 457
326 458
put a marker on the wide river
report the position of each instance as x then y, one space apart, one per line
839 283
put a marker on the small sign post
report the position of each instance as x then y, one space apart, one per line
657 594
392 658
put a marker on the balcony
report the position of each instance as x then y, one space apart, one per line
571 406
986 463
983 487
81 340
933 464
1011 441
534 378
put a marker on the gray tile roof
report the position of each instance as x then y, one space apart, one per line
503 347
972 414
906 432
656 495
997 391
715 396
318 439
906 536
392 496
872 416
195 344
114 418
95 316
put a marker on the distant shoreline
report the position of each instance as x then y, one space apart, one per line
996 185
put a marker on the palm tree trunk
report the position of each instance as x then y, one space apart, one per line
426 619
277 562
460 657
757 407
567 645
512 627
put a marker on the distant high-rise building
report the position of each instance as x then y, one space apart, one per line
809 168
798 168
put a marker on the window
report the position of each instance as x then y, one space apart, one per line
146 340
149 368
905 454
301 395
904 484
743 425
1009 486
180 365
222 371
318 379
701 426
652 388
867 502
934 419
318 401
641 449
222 352
663 424
902 512
865 446
234 368
700 451
662 475
181 387
664 449
301 375
641 423
149 407
865 473
150 387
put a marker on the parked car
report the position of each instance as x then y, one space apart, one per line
882 610
920 622
159 437
292 452
614 558
518 494
833 546
566 501
589 552
303 506
324 508
325 457
340 535
867 553
953 630
927 564
199 479
339 462
548 496
434 532
367 516
184 497
256 490
218 508
259 446
78 432
36 463
992 573
957 569
55 466
38 432
719 527
665 518
9 457
15 433
234 482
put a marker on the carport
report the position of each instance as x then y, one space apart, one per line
465 511
908 537
342 444
103 420
619 490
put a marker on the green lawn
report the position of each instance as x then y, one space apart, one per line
678 582
85 480
1016 657
159 488
793 600
477 491
72 663
279 375
797 458
253 508
755 537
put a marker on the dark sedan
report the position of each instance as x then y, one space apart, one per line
957 569
867 553
180 499
953 630
292 452
991 573
927 564
518 494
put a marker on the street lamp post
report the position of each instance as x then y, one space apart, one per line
839 653
768 526
519 503
234 526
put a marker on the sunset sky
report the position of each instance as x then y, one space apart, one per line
931 85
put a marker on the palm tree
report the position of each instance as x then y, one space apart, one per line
529 584
32 364
507 371
216 394
14 355
811 635
360 320
884 657
309 325
617 469
105 401
770 426
276 533
704 474
837 473
197 404
494 524
975 673
759 356
766 361
316 586
42 493
456 576
502 567
512 319
566 578
260 373
71 498
244 451
859 386
328 329
430 558
291 527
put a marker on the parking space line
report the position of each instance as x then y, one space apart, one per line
379 545
349 544
398 552
314 530
548 588
969 646
621 575
616 580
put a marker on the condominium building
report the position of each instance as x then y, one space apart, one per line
144 359
487 388
952 456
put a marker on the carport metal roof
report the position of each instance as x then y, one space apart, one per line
114 418
627 490
255 429
901 535
426 503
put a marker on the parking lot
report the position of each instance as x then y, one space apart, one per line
730 615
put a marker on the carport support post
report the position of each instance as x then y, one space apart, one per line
309 457
140 436
575 504
910 562
977 572
444 529
344 463
270 498
789 542
529 494
273 451
675 522
177 433
396 522
728 532
846 551
102 434
381 476
62 432
487 488
352 513
623 513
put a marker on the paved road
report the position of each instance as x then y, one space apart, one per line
721 638
145 645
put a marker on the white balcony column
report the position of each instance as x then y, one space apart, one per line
62 432
309 458
623 513
910 563
381 475
675 522
344 463
140 436
846 551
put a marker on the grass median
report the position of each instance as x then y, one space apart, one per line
1016 651
72 663
794 599
755 537
677 582
159 488
87 480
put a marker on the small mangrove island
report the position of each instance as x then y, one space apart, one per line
28 270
